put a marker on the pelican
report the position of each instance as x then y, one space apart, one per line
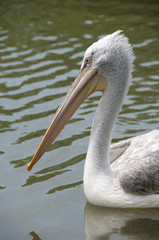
125 174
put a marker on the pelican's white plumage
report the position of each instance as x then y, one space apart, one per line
125 174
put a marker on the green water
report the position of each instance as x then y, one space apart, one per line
41 48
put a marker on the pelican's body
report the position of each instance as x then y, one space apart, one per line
133 178
119 175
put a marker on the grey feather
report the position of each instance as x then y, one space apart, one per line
137 163
137 179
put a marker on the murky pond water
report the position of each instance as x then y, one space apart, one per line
41 47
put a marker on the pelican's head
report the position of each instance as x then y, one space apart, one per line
111 56
103 61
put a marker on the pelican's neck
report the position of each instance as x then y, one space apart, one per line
97 161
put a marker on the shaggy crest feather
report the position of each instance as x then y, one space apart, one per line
114 42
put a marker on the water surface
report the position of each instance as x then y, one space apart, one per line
41 48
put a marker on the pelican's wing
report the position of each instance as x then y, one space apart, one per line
117 149
137 160
141 176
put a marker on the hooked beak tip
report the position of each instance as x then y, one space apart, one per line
29 167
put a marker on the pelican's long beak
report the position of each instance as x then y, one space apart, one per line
87 82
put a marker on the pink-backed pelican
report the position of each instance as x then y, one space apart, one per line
125 174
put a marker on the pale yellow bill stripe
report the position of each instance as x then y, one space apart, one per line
86 83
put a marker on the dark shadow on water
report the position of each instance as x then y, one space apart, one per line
54 171
63 187
21 162
34 179
56 145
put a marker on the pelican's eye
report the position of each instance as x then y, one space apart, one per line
87 62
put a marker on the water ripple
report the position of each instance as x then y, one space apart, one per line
16 54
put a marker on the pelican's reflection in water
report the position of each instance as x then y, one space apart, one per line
132 224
